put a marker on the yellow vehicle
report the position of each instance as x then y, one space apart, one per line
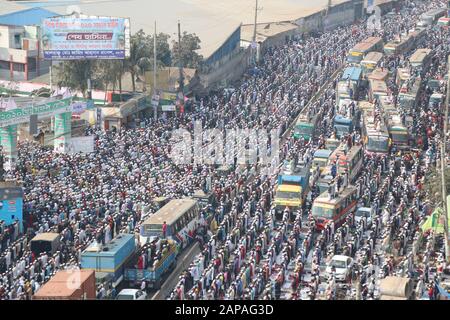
288 196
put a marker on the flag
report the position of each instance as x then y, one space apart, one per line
434 222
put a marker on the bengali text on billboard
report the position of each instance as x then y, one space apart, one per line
71 38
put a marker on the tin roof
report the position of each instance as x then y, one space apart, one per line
27 17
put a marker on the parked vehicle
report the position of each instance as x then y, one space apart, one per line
131 294
341 266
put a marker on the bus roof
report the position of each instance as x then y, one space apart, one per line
291 178
378 86
322 153
171 211
372 56
366 44
419 55
340 151
46 236
352 73
378 74
340 119
324 198
289 188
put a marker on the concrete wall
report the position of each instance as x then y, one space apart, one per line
230 71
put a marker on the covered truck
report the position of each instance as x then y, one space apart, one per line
396 288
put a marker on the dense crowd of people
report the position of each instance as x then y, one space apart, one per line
249 253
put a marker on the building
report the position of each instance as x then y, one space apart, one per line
20 52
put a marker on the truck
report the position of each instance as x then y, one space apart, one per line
62 286
162 264
305 127
292 186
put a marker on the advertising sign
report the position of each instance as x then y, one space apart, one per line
11 205
22 115
71 38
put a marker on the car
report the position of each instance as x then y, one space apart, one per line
364 212
131 294
342 265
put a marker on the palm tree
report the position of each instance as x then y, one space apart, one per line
139 59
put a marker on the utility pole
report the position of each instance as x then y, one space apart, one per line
180 63
155 110
444 165
253 45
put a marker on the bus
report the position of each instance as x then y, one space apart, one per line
181 217
430 17
347 117
421 58
443 22
400 46
408 96
327 208
354 75
402 76
370 62
379 74
377 89
398 132
320 159
375 134
350 161
305 127
357 53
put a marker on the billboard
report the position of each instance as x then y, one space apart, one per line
72 38
11 205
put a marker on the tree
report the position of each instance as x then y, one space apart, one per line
188 56
74 74
163 53
139 59
109 72
433 185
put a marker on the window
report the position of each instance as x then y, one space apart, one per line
17 41
19 67
4 65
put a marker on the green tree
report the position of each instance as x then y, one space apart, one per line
163 53
186 52
109 73
433 185
139 59
74 74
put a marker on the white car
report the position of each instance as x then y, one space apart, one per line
364 212
342 266
131 294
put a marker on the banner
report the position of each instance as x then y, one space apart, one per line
71 38
63 131
22 115
81 144
168 108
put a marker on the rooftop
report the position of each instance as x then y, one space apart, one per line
26 17
171 211
265 30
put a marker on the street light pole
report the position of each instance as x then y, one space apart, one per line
155 110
